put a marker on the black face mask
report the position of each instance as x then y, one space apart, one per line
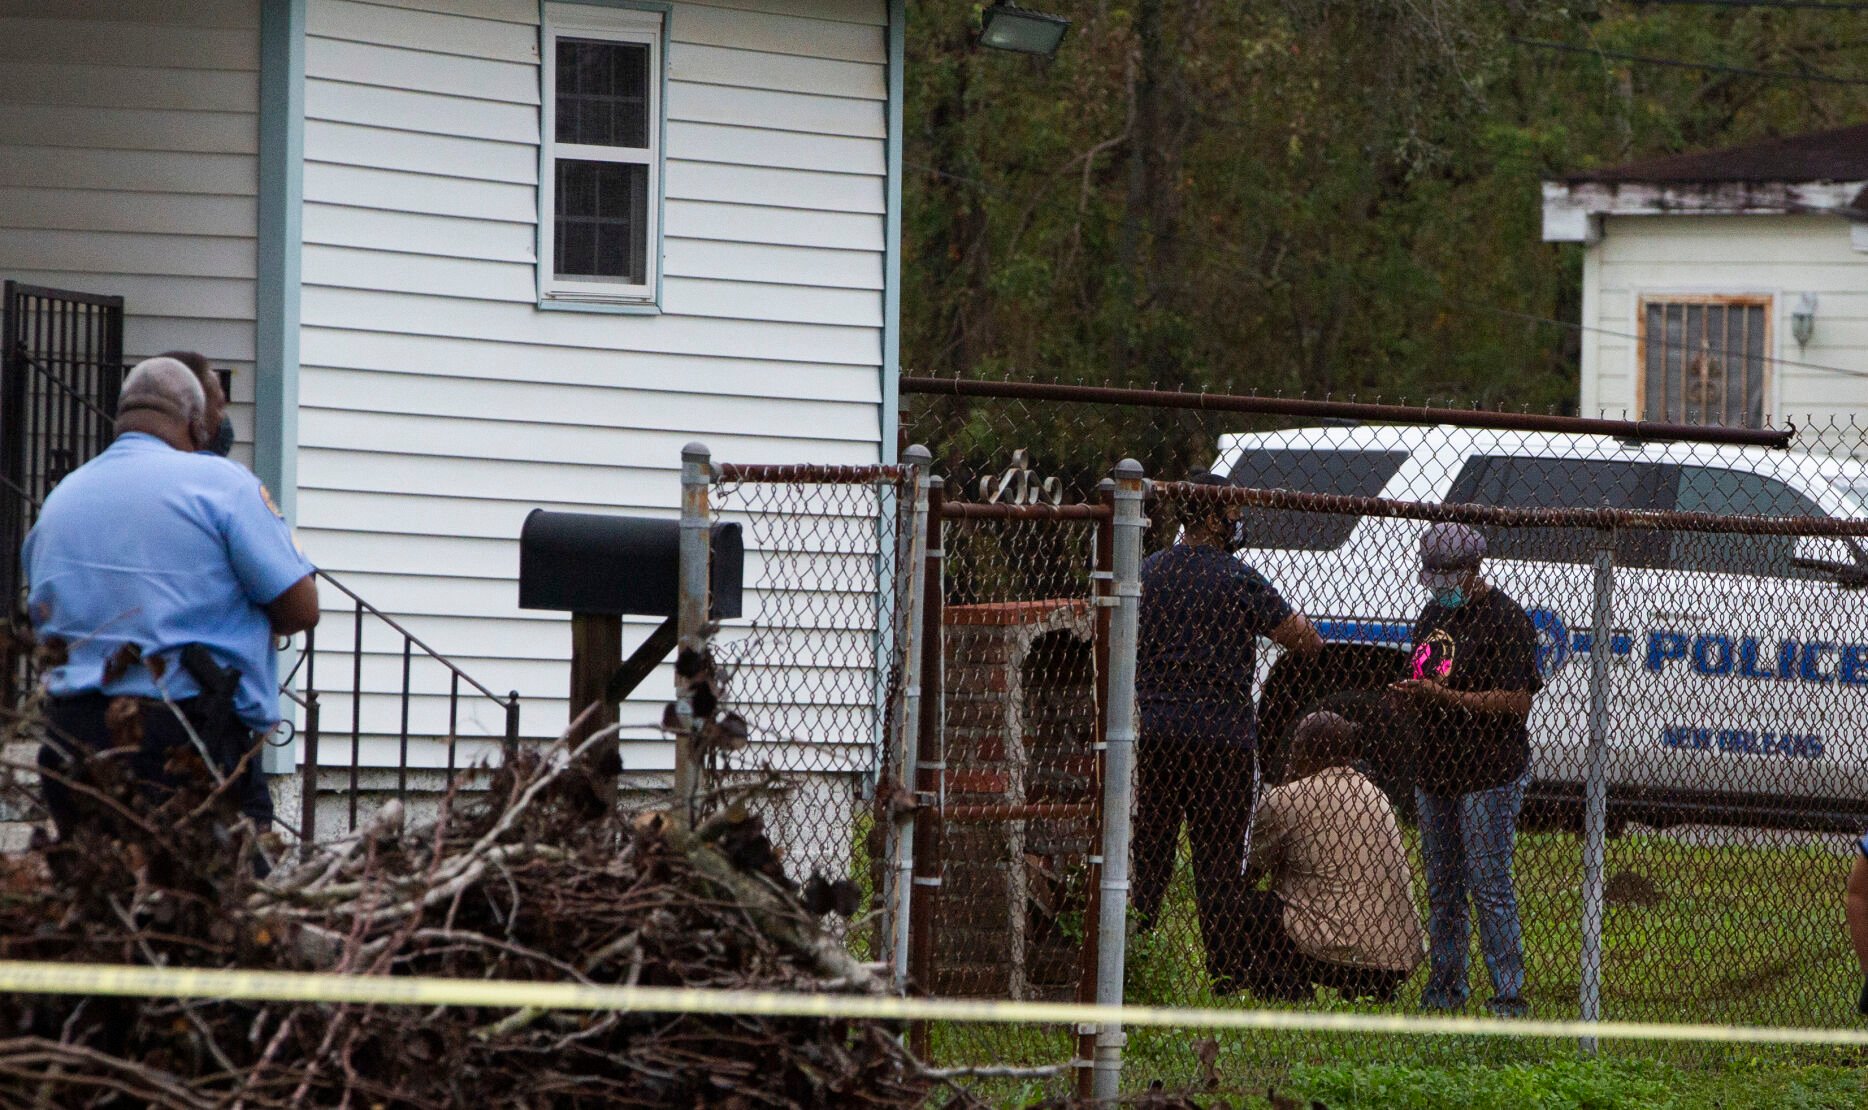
223 439
1235 539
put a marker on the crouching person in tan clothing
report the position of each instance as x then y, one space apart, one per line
1341 905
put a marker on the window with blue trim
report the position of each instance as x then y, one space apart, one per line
599 199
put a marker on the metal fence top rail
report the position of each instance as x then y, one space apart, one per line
974 510
1629 519
813 473
366 607
1351 410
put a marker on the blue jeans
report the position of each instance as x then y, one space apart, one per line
1467 840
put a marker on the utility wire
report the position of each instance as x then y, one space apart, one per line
1677 63
1612 333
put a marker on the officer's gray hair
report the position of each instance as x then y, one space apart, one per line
164 385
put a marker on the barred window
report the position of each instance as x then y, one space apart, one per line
598 234
1704 360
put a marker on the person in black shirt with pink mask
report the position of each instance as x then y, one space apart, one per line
1471 678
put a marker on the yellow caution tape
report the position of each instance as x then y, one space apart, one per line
288 986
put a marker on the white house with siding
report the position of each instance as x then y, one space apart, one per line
473 257
1696 267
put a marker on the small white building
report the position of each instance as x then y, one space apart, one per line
1697 267
472 257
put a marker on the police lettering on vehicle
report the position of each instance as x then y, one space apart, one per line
1739 741
1716 655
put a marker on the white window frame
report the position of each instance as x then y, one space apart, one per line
646 26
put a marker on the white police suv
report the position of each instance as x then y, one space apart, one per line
1738 677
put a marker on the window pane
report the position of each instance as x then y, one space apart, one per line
1532 483
602 221
1707 489
1351 473
603 93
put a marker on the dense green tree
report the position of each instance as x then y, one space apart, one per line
1306 196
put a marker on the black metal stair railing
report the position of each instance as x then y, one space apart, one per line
61 366
310 697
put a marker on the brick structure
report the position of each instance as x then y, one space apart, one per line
1021 715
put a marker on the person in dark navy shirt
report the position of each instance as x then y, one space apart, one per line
1202 612
152 564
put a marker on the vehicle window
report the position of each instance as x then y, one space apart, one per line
1855 489
1349 473
1542 483
1707 489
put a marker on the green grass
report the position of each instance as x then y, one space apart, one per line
1732 934
1596 1085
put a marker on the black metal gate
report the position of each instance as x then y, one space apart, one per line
61 365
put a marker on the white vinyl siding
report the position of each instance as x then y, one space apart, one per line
128 165
439 404
1668 258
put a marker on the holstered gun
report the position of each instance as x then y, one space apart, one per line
214 706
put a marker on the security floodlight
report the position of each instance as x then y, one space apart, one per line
1009 27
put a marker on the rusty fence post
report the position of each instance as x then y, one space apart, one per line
1118 771
929 772
907 749
691 611
1102 582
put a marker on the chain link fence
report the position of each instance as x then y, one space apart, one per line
1681 609
1726 695
815 667
1019 784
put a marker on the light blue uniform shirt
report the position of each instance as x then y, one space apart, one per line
162 548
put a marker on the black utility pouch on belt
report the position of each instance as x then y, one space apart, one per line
214 715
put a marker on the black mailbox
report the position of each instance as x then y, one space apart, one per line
619 565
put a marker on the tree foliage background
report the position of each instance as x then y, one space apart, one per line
1309 197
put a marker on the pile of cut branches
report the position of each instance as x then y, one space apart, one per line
534 880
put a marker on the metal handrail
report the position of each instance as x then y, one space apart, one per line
313 723
407 635
40 368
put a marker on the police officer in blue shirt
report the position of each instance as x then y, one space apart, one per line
156 571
